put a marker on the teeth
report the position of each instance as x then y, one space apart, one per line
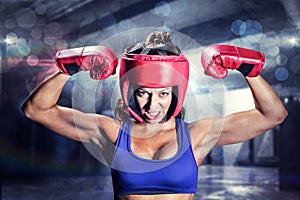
153 113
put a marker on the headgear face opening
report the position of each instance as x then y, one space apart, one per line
154 71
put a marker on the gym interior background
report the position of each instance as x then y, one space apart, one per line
33 158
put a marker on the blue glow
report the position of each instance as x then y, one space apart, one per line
238 27
251 28
162 8
281 74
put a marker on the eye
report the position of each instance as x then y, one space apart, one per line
164 94
142 93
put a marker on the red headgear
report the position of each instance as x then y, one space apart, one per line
154 71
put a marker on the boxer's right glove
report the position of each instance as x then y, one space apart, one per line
99 60
217 59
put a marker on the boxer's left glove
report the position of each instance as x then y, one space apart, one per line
217 59
99 60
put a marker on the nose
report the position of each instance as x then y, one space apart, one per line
152 103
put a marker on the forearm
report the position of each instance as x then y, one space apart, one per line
269 110
268 113
266 100
45 95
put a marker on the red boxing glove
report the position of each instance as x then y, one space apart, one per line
217 59
99 60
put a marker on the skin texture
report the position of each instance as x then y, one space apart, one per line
154 103
153 139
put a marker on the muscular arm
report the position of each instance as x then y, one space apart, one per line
268 113
241 126
41 107
45 95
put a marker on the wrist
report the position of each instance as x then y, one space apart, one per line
245 69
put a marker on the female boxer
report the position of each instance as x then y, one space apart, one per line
156 154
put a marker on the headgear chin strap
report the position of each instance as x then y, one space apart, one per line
153 71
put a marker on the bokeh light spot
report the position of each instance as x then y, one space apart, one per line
238 27
32 60
11 38
61 44
36 33
10 23
294 65
13 55
127 24
281 60
23 48
26 19
281 74
40 8
52 33
253 27
162 8
273 50
53 29
115 6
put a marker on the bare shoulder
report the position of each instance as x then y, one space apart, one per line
198 130
200 125
206 129
109 126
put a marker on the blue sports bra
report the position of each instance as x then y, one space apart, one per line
132 174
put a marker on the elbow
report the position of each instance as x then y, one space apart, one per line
283 115
280 117
30 110
27 110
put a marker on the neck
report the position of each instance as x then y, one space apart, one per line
154 128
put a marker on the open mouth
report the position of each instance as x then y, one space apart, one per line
152 115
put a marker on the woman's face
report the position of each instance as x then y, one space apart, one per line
154 103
